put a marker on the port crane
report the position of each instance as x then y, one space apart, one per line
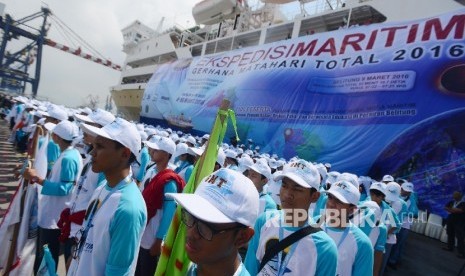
14 65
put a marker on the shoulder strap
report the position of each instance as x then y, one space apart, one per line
289 240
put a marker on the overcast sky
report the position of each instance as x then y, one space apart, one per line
68 79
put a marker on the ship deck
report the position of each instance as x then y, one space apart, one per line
422 255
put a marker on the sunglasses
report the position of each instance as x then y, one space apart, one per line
204 229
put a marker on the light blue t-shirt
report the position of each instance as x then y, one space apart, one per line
53 151
144 161
266 203
355 252
113 239
315 254
70 166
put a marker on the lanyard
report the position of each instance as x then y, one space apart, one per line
93 213
81 183
282 266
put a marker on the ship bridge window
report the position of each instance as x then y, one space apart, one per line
138 35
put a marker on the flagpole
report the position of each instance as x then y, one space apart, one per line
173 260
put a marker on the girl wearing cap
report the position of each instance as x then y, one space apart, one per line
56 189
355 252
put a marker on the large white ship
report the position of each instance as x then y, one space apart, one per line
225 25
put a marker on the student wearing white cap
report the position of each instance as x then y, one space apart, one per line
259 173
355 252
71 218
187 161
407 194
56 189
231 160
317 209
399 207
313 252
378 191
116 217
55 114
368 220
219 217
160 209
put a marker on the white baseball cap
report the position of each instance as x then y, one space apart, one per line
120 131
387 178
224 196
331 178
195 151
367 208
143 136
102 117
162 143
65 130
379 186
230 153
407 186
191 140
58 113
221 157
392 191
303 173
181 149
345 191
261 168
349 177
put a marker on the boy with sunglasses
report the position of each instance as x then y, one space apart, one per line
219 217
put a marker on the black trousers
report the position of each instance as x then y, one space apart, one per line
456 230
49 237
146 263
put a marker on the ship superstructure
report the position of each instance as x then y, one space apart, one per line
226 25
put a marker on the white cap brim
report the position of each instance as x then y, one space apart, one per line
339 196
83 118
391 197
294 177
376 188
200 208
95 131
49 126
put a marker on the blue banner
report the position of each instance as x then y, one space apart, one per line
372 100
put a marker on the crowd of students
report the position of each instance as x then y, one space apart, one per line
112 188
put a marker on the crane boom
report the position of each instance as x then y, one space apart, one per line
79 53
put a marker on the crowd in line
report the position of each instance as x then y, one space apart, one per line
112 188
